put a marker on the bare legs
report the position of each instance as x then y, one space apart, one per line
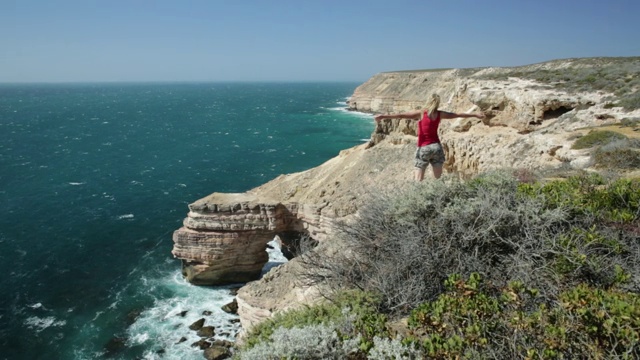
437 172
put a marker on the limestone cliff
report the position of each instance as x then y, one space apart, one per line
528 124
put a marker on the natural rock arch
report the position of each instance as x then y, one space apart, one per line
224 237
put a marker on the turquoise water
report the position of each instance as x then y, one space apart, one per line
94 178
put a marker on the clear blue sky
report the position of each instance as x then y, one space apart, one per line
298 40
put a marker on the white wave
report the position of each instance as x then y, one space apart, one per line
125 216
352 112
275 257
35 306
167 321
39 324
76 183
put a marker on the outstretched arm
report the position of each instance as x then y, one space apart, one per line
415 115
448 115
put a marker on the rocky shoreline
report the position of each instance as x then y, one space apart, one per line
528 125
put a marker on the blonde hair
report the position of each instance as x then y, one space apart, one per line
432 104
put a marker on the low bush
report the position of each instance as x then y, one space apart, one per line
351 314
310 342
596 138
618 155
488 268
474 319
630 122
404 246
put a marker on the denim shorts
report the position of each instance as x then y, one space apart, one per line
429 154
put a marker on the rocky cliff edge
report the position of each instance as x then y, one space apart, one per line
528 124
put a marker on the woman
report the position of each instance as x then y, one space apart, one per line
429 148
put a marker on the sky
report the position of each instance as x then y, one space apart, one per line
298 40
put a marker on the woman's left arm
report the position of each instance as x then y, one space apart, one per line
448 115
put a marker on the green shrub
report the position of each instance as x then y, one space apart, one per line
618 155
616 201
473 319
352 314
631 102
610 318
630 122
520 253
385 349
310 342
597 137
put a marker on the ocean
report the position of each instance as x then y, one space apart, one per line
94 178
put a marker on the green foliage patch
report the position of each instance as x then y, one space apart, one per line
596 138
590 195
472 319
617 157
488 268
357 308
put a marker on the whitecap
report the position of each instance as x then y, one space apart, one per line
76 183
39 324
182 185
139 338
125 216
35 306
98 313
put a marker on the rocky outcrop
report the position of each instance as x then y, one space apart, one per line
528 125
224 236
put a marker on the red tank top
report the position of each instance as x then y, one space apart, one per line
428 130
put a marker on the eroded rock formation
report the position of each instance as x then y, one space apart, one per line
224 236
528 125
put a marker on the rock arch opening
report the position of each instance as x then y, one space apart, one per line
293 243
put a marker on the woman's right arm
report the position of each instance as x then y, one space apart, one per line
415 115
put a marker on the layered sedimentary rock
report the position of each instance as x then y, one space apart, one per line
527 125
223 238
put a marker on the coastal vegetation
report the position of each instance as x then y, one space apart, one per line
500 266
509 264
619 76
611 149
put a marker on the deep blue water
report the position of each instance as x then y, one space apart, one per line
94 178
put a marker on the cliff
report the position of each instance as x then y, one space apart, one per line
529 124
